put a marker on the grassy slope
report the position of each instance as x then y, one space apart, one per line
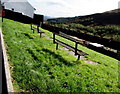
37 66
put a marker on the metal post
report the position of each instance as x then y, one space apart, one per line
2 18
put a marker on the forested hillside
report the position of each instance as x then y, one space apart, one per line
106 18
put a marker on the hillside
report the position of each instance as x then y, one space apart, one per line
37 67
105 18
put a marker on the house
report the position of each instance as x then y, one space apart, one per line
22 11
20 6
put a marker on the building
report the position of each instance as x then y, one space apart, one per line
20 6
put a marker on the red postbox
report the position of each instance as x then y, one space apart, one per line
0 13
3 13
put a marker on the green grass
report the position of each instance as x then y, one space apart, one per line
37 67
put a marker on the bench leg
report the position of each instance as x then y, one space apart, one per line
33 31
54 38
76 48
57 46
40 35
78 57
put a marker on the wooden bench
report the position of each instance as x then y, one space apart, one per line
74 49
37 29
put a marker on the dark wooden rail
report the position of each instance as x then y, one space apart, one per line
105 42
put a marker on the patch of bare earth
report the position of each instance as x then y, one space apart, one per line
91 62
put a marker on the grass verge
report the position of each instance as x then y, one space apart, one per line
37 67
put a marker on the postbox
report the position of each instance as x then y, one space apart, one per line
3 13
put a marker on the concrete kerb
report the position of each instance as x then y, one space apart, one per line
6 66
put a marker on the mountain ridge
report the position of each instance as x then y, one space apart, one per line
105 18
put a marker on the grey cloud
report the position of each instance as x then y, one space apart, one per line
53 3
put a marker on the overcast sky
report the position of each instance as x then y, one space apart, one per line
70 8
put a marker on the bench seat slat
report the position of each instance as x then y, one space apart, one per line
79 52
66 36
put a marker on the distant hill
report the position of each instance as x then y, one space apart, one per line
105 18
48 17
113 11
